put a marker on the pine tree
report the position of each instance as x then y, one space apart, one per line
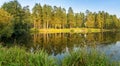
90 20
37 16
70 18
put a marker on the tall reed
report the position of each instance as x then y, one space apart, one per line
16 56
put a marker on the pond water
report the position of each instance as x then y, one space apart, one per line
59 43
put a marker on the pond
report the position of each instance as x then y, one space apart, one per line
59 43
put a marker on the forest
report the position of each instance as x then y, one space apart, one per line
16 20
21 44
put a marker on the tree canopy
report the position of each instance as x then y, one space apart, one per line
6 26
21 18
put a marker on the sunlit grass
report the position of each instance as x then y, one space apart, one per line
69 30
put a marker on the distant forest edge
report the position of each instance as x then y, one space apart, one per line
16 20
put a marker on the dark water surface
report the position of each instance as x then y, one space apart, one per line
60 43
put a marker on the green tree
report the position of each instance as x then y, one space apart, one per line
99 20
70 18
63 18
14 8
27 18
20 18
118 23
37 16
106 16
82 18
111 22
115 22
108 22
57 17
90 20
47 16
78 19
6 26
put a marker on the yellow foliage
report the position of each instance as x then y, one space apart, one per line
5 17
5 23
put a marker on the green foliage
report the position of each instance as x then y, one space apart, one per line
83 57
21 20
90 20
79 19
59 17
18 21
47 16
37 16
6 26
16 56
13 57
41 58
70 17
20 16
56 17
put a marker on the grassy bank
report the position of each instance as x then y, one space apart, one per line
19 57
16 56
70 30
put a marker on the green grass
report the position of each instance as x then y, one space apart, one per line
16 56
83 57
19 57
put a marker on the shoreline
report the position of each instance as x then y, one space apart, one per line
70 30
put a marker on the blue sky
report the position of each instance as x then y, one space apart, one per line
110 6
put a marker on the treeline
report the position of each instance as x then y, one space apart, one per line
57 17
16 20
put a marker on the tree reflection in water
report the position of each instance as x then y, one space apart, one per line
55 43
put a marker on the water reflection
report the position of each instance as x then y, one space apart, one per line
111 50
63 42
